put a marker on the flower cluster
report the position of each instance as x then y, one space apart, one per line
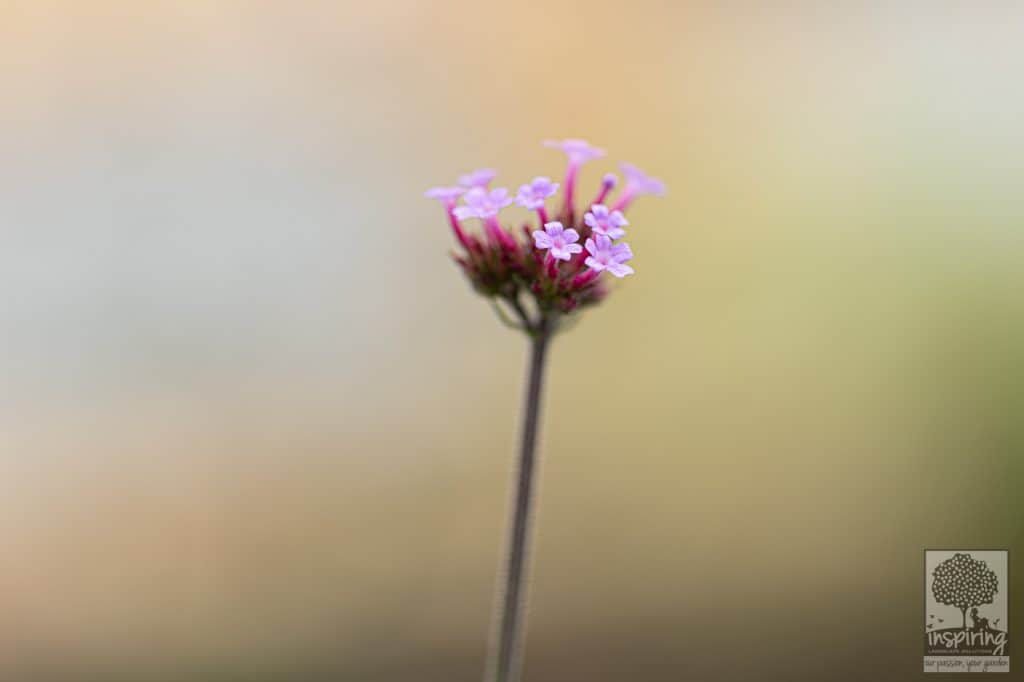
556 264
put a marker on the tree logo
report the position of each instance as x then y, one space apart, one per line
966 611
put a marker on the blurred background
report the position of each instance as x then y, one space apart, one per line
254 425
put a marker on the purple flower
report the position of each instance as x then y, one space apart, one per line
637 184
641 182
481 177
562 242
578 151
608 183
483 204
604 222
446 195
533 195
607 256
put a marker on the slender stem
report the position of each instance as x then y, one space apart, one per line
506 653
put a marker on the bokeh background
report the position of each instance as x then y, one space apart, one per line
254 426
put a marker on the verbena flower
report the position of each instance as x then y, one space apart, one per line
608 183
606 223
607 256
448 196
560 241
533 195
637 183
485 205
481 177
481 203
541 272
578 152
445 194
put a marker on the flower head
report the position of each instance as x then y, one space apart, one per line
481 203
560 241
481 177
533 195
578 151
550 273
604 222
446 195
607 256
